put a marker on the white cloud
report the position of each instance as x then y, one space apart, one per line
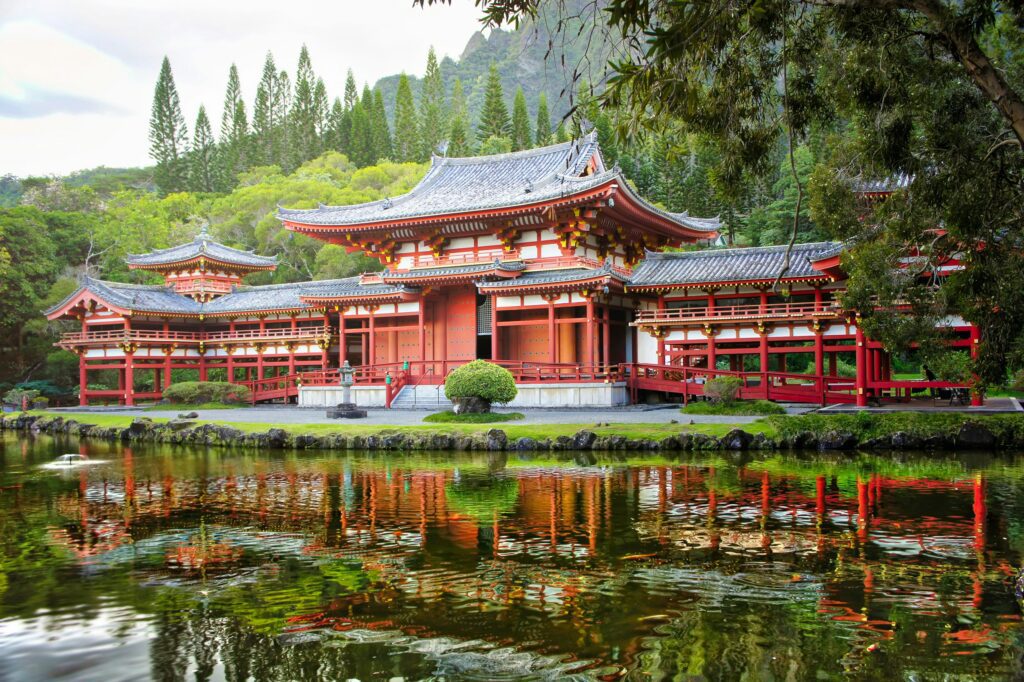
76 79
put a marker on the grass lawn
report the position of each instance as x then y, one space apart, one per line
756 408
536 431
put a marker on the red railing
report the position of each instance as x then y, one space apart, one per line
160 336
738 312
466 258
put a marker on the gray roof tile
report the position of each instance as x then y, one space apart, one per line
202 245
483 268
727 265
566 275
460 185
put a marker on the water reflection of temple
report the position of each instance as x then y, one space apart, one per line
449 548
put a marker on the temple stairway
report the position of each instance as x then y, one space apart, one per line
427 396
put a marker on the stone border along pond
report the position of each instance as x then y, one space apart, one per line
809 432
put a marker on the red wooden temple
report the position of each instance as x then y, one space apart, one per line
545 261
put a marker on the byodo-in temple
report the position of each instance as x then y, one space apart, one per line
544 261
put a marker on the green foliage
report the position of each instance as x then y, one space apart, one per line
19 396
866 425
459 142
950 365
199 392
735 408
521 137
481 379
202 174
449 417
168 135
723 390
542 133
406 141
483 499
495 145
433 112
494 121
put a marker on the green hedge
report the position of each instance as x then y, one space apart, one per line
865 425
737 408
199 392
481 379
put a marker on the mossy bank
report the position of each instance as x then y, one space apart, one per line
941 432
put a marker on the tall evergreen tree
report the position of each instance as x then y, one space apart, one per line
266 124
459 142
494 120
361 151
521 137
405 142
561 133
202 170
168 134
433 114
335 124
232 96
543 131
382 145
321 110
234 134
303 140
282 105
351 93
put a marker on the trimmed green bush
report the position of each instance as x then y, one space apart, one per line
481 379
723 390
199 392
758 408
16 395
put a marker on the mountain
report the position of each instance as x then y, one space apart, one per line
533 56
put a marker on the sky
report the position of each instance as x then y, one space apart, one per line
77 76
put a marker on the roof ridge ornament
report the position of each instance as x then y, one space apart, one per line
387 204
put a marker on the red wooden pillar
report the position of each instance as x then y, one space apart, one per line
423 333
606 336
818 298
168 353
763 303
372 341
977 399
129 378
259 364
861 382
660 336
819 359
324 348
589 351
552 333
342 349
763 349
495 342
83 379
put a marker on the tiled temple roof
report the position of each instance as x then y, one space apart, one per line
545 277
729 265
455 270
201 246
465 185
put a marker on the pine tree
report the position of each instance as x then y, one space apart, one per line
521 138
335 124
303 139
494 120
351 94
234 134
433 115
405 142
266 125
458 133
321 110
361 151
561 134
543 133
382 145
202 170
168 135
282 105
232 96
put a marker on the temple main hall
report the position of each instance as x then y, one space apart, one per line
545 261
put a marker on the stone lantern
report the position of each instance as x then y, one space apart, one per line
346 409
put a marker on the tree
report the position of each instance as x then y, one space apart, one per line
266 120
922 89
406 140
521 138
494 121
381 136
203 161
351 93
458 133
304 140
361 149
321 110
168 135
334 137
542 135
234 134
433 114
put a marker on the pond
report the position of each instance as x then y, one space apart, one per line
170 563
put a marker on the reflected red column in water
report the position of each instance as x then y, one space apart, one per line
862 510
819 498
